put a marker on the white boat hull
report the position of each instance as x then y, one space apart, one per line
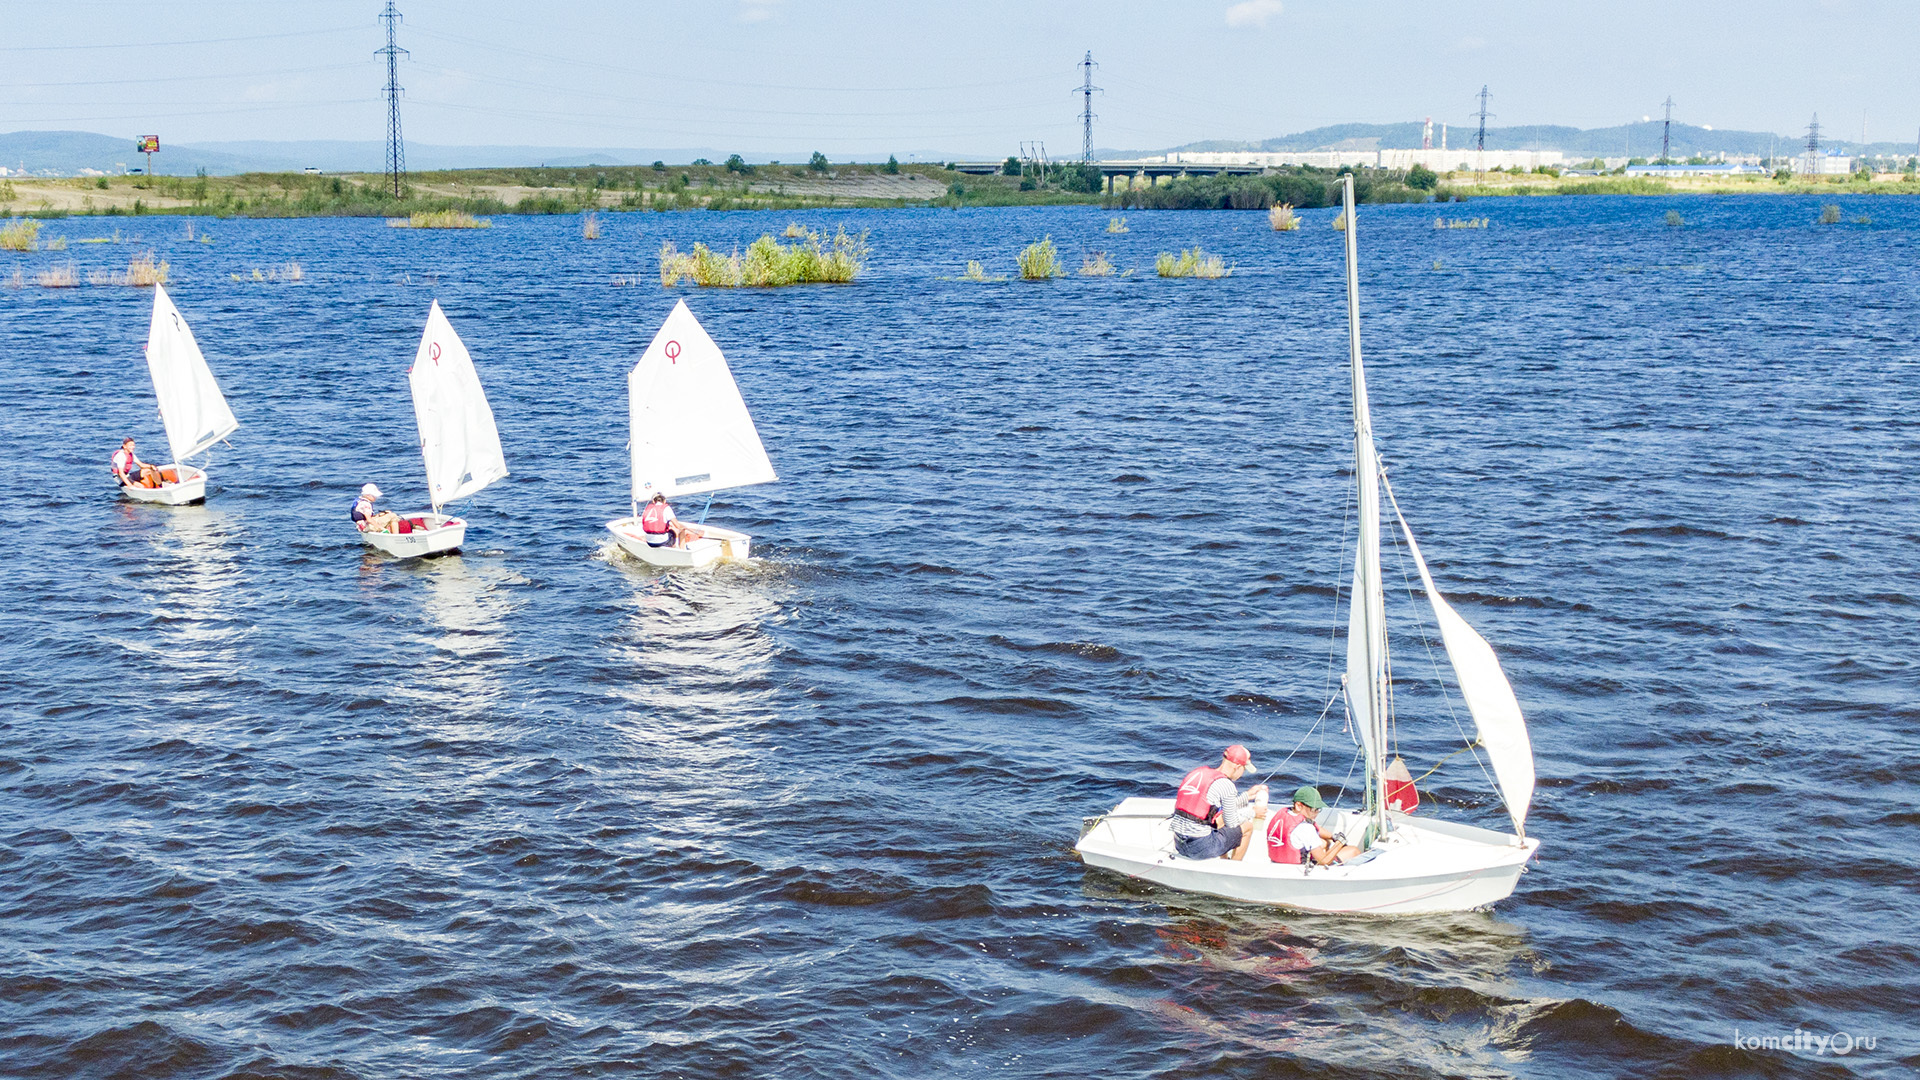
444 533
1420 867
714 545
192 488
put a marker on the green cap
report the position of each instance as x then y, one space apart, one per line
1310 796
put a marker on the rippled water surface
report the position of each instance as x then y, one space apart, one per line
271 804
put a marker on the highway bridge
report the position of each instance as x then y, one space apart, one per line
1150 170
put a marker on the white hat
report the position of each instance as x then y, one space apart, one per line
370 490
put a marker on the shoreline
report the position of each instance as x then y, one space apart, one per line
568 190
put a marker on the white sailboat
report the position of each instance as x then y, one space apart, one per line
1412 866
458 441
690 433
191 407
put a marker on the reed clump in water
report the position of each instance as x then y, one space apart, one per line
1041 261
1193 263
1282 218
58 277
590 227
17 280
1458 223
976 272
1830 214
1096 265
1340 223
1674 220
20 234
768 263
794 230
1117 225
143 271
440 219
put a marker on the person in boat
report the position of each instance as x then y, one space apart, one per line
662 529
1292 837
366 518
130 470
1211 819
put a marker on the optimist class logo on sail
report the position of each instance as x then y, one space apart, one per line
673 353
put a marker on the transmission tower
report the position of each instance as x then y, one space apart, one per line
1481 143
1813 146
1086 108
1666 131
396 150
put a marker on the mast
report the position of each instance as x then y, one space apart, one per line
1366 626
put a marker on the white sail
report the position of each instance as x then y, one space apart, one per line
457 437
1367 693
1489 696
690 431
191 408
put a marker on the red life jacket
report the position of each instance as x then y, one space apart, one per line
122 462
1190 801
656 518
1280 847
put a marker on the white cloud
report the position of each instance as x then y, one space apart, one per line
1255 13
754 11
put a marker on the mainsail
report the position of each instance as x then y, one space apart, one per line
1367 700
457 436
191 408
690 432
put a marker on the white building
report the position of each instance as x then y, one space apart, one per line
1437 160
1824 165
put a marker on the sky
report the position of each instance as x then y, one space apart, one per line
860 79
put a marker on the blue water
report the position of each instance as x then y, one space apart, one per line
274 805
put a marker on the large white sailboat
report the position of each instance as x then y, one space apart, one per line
458 442
191 407
1412 865
690 434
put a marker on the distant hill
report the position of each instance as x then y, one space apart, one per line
1634 140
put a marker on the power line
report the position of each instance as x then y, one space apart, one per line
163 44
396 150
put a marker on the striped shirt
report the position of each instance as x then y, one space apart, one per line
1233 810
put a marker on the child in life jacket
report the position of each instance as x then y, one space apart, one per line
132 472
1292 837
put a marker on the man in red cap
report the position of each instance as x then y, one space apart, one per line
1210 816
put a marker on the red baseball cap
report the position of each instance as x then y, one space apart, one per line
1238 755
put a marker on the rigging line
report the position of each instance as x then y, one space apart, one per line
1339 579
195 41
1338 795
1303 741
1445 696
1444 760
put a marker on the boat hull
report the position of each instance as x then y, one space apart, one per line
715 545
192 488
444 534
1421 867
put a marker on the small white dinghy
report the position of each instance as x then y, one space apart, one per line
458 441
690 433
1412 866
191 406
